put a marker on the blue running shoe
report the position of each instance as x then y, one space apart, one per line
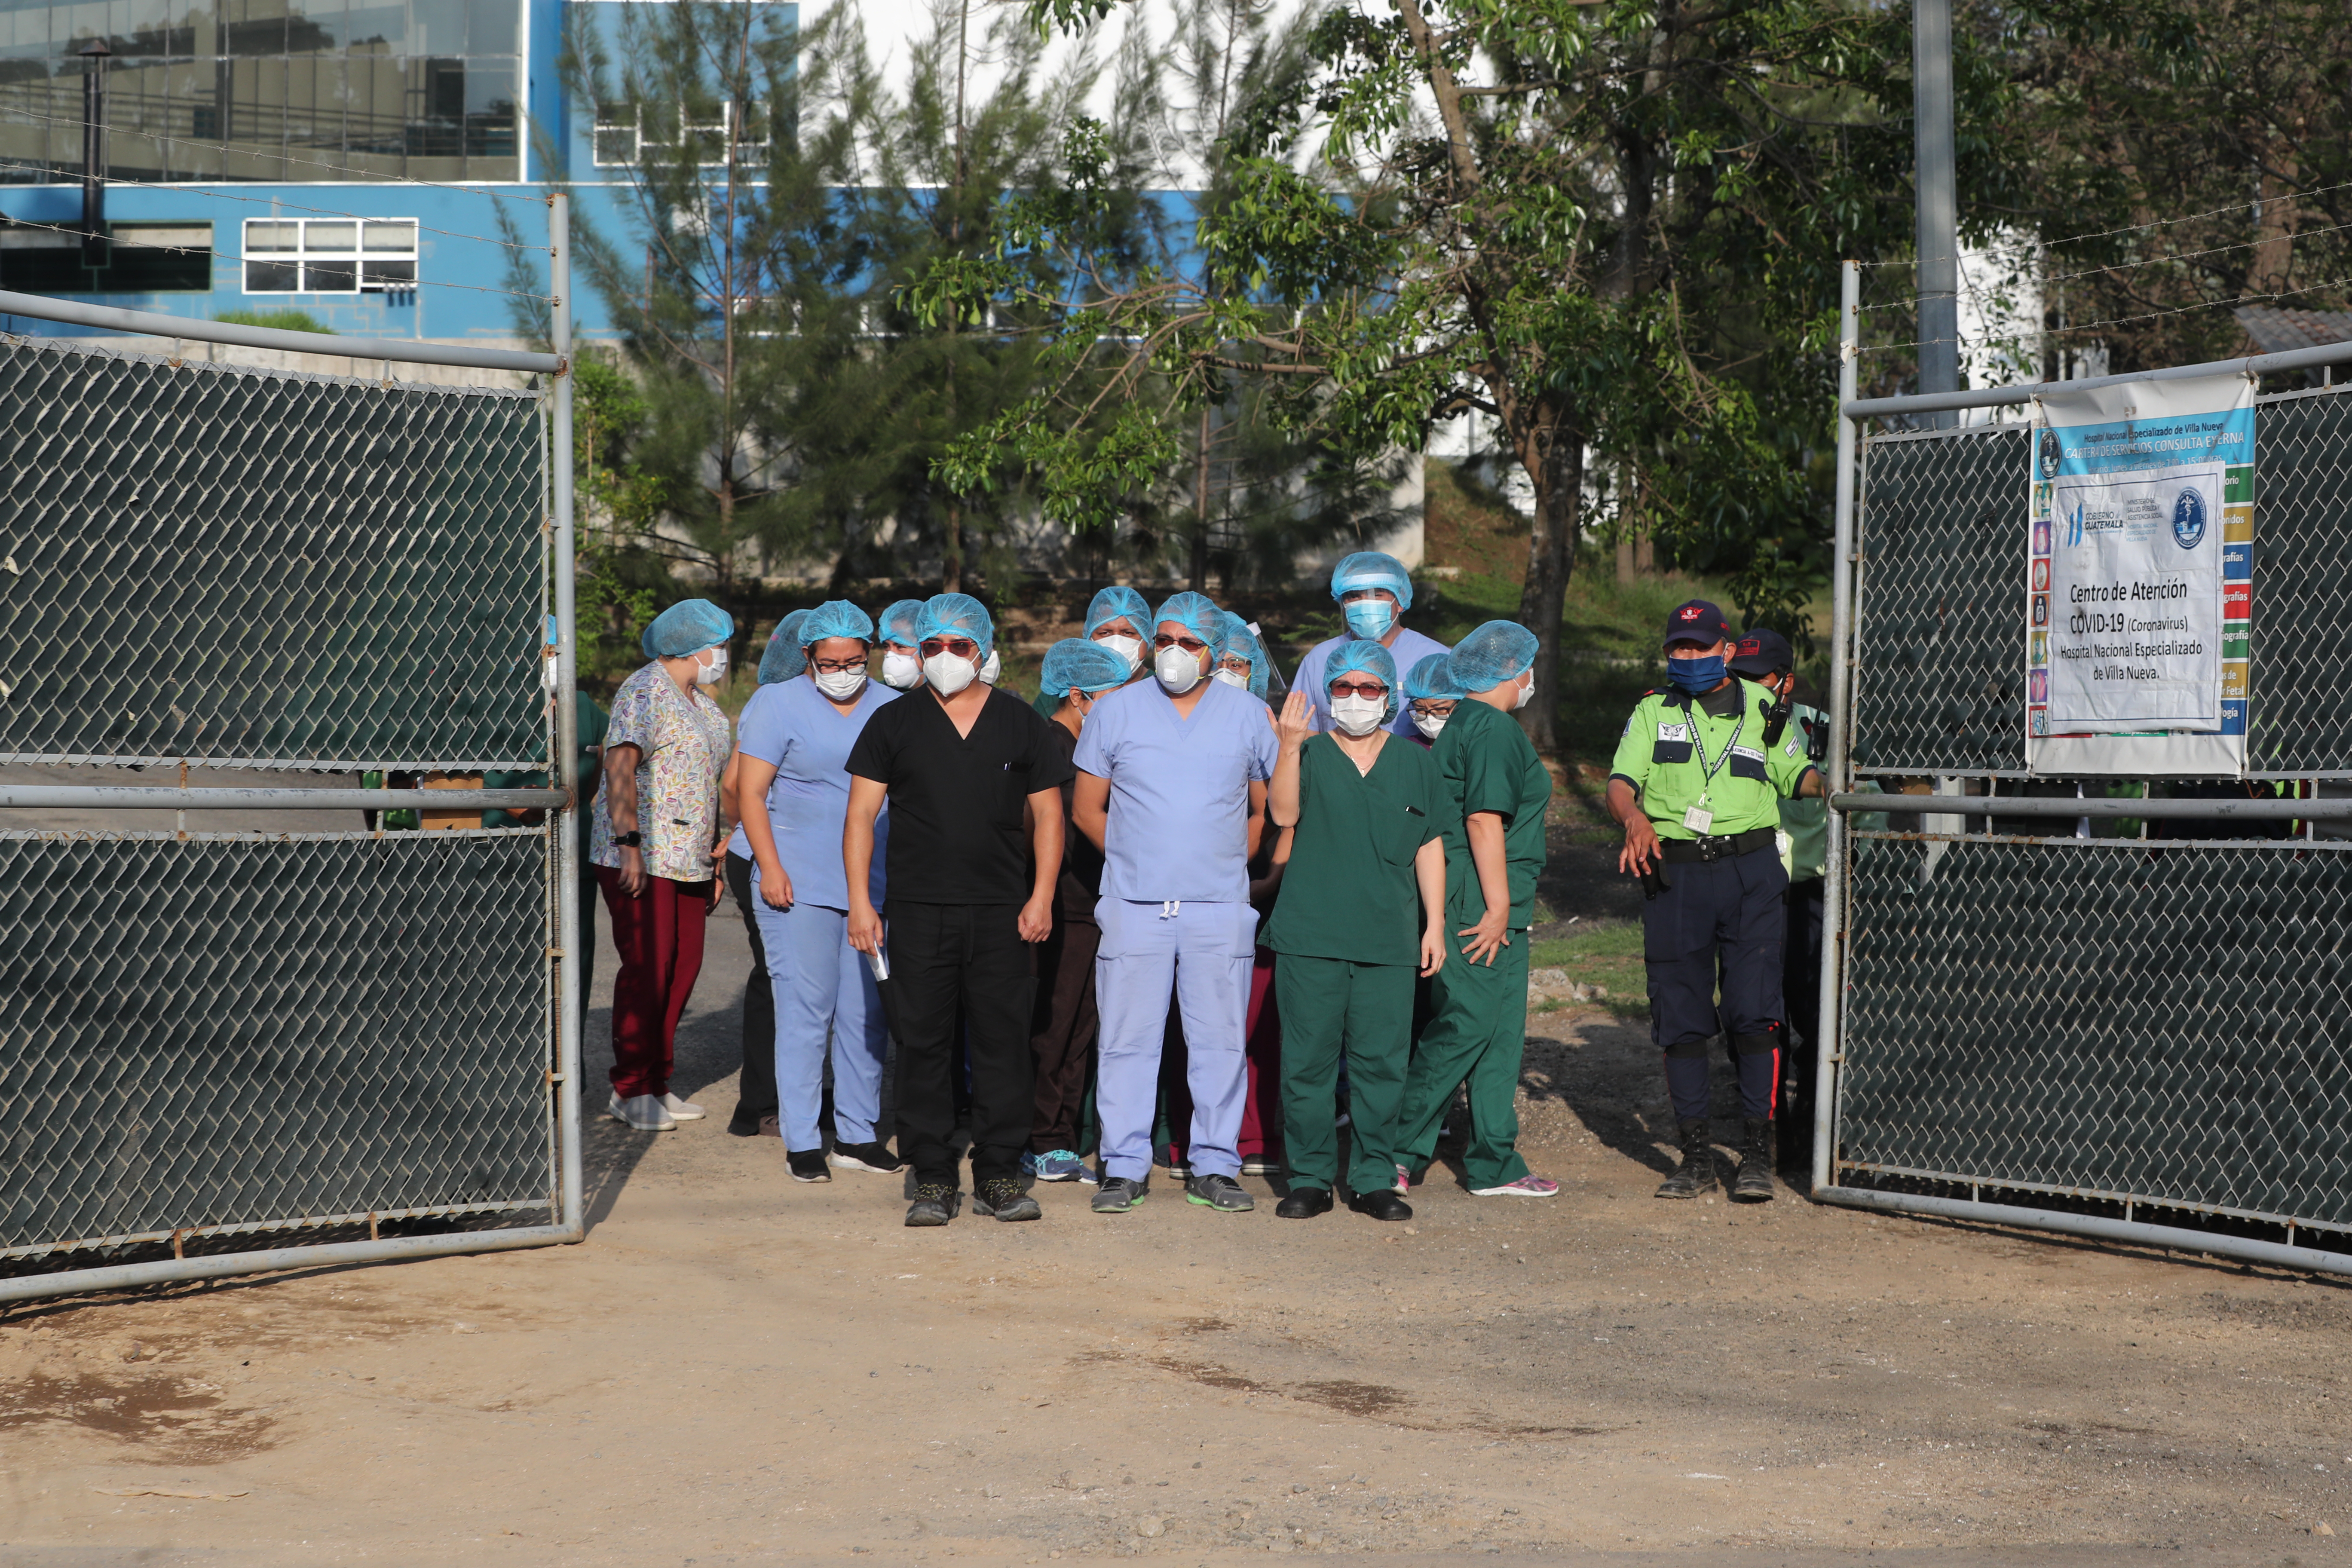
1058 1166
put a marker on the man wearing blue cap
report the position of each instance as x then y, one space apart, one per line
1373 590
973 784
1698 793
1764 657
1172 776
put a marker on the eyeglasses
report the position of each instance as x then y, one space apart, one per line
962 648
1190 645
1371 688
837 665
1432 707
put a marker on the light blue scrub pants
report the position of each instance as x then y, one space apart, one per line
823 988
1199 952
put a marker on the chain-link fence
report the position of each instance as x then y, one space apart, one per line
2128 1026
233 1049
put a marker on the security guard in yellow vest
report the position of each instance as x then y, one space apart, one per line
1698 793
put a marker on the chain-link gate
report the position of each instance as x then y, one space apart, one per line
2141 1038
222 1051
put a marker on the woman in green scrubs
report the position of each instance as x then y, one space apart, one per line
1497 794
1360 914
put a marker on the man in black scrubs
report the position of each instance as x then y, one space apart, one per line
974 784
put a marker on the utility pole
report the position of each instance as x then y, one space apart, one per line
1938 201
95 54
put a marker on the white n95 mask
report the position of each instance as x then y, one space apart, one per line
1232 678
991 668
1526 692
1430 725
901 671
947 673
1128 648
841 685
1177 670
1357 716
714 672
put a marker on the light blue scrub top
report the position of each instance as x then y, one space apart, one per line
1178 790
1409 649
791 724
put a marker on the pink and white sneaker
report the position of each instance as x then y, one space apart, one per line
1404 1182
1525 1187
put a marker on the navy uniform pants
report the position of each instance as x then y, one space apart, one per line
1718 929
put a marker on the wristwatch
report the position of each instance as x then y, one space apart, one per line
630 840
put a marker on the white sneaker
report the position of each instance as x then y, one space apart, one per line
681 1109
643 1112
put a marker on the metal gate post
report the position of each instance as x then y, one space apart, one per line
1833 866
568 1002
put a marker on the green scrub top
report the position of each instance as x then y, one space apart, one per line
1489 765
1807 821
1350 891
1660 752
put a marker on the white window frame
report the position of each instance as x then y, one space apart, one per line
376 247
635 129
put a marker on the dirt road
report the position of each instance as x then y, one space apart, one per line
737 1369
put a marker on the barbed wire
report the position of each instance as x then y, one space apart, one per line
2139 227
2125 266
232 255
2113 320
371 176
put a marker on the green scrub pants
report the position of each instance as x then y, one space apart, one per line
1480 1033
1329 1005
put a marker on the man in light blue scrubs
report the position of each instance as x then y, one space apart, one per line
1373 591
793 744
1171 787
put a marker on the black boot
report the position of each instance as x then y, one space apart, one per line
1696 1173
1754 1183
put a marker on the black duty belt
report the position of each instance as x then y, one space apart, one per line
1688 851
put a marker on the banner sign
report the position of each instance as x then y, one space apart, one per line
2139 578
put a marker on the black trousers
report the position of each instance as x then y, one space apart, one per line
949 961
1061 1033
755 1091
1801 988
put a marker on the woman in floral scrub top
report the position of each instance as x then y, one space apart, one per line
658 820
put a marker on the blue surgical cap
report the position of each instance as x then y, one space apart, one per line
1198 613
1370 569
1371 658
1243 644
785 659
686 628
1432 679
1077 664
957 615
836 618
1495 652
1116 604
897 622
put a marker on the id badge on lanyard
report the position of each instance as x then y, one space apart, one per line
1700 818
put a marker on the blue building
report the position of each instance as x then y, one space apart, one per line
261 155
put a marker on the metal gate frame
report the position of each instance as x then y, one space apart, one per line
1845 800
569 1215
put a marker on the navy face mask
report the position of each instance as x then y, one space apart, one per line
1696 676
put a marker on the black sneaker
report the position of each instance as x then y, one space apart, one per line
874 1157
808 1165
1002 1198
1303 1203
1382 1205
1219 1193
935 1203
1118 1194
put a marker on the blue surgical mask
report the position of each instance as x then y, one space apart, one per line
1370 618
1696 675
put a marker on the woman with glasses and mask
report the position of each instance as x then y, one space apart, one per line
1357 920
659 818
792 795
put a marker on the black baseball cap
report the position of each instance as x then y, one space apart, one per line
1762 651
1698 621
